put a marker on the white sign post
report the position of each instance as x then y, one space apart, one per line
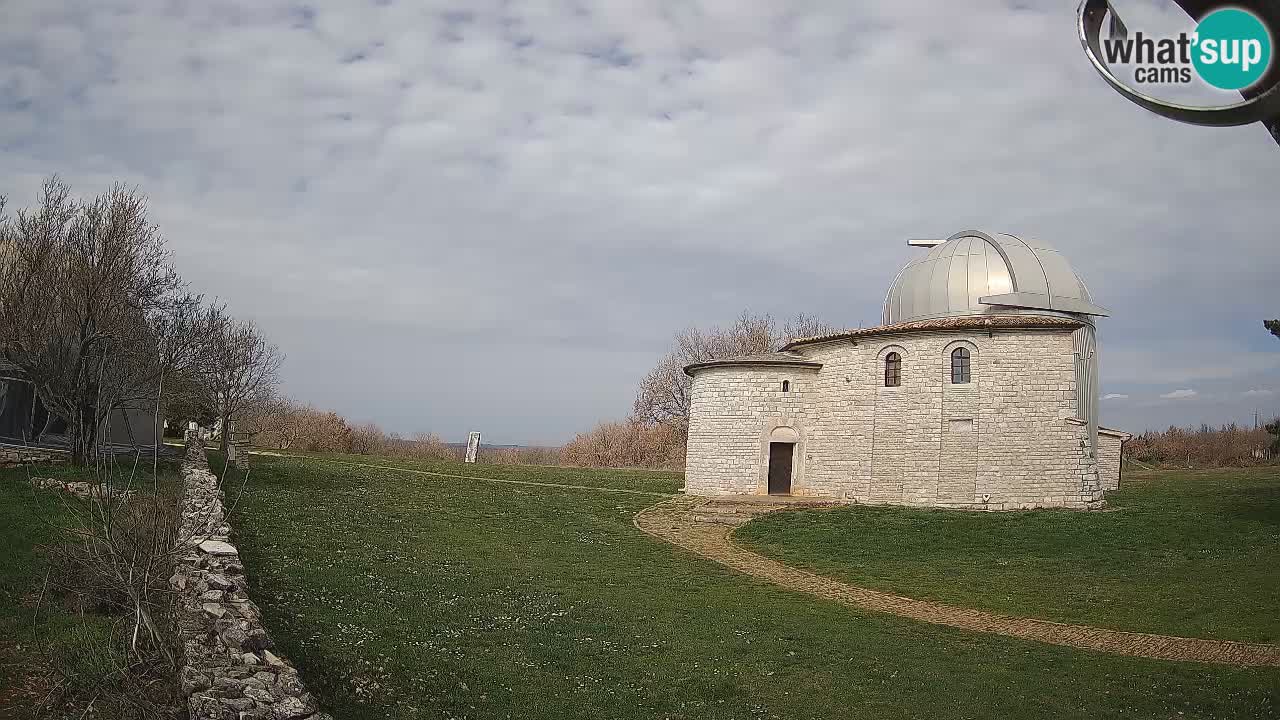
473 447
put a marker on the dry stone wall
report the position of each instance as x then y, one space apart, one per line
1003 441
229 670
80 488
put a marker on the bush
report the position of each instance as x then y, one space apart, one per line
423 446
287 425
366 439
1229 445
627 444
110 559
519 456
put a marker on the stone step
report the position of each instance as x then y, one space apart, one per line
722 518
754 508
715 507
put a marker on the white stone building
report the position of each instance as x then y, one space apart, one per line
979 391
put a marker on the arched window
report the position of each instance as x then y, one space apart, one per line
960 365
892 370
786 386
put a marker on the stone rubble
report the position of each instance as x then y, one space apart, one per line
229 670
14 456
80 488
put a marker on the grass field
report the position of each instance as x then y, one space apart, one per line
657 481
404 595
1193 553
60 650
25 515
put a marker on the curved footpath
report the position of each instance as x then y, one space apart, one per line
697 524
704 525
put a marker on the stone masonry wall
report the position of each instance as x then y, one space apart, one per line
1001 441
1109 445
728 432
229 671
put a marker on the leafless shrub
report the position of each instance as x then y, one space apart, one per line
627 444
422 446
1225 446
110 563
92 676
287 425
430 446
367 439
519 456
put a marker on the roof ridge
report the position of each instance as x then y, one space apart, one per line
957 322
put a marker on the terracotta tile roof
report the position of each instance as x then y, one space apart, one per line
964 322
774 359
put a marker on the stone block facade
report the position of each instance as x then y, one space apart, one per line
1008 439
1110 445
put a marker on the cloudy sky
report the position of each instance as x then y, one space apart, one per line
494 216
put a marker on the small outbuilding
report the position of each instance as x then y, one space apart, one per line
978 391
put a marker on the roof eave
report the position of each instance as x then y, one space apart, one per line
977 323
801 364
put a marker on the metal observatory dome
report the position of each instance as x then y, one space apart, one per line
975 273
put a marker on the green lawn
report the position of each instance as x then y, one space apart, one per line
404 596
660 481
29 520
1193 553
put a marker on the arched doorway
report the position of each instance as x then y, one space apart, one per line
782 446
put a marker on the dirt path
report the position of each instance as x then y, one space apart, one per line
674 521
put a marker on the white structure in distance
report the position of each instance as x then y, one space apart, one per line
473 447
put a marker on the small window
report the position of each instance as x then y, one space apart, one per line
786 386
892 370
960 366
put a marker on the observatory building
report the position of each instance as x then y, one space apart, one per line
978 391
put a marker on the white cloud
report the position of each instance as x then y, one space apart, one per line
1258 392
1179 394
1115 396
1180 359
551 191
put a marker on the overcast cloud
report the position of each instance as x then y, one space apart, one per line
494 216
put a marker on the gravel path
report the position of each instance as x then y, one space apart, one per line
684 521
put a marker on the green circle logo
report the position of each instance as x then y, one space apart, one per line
1232 49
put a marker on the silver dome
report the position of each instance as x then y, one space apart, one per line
973 273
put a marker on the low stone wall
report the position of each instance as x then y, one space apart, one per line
229 671
11 456
92 491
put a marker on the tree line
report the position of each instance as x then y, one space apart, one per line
96 318
1206 446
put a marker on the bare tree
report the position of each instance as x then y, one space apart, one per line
91 309
287 425
663 396
367 439
242 373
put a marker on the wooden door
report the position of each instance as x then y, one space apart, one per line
780 455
